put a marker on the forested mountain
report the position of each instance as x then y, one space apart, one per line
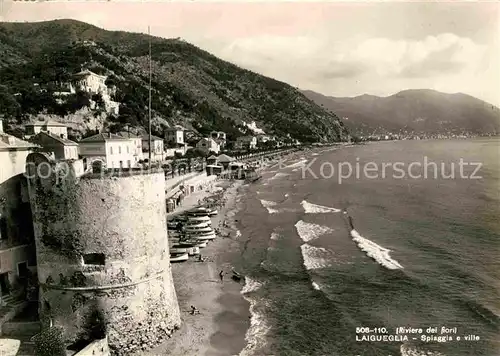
190 86
419 111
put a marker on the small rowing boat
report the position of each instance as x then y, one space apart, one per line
179 257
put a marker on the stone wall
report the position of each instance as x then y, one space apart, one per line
95 348
103 258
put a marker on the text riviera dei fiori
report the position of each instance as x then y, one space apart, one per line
431 334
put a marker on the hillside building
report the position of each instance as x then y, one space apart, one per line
136 143
111 150
158 149
174 136
219 137
208 145
93 83
61 148
49 126
90 82
245 143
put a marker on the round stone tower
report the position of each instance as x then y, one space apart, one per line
102 254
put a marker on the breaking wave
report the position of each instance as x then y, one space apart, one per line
259 327
269 206
310 208
378 253
308 231
275 236
297 164
316 257
279 175
316 286
407 350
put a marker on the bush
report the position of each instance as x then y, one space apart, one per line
50 342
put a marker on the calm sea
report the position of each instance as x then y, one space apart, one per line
422 253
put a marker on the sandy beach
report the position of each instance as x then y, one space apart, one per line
220 327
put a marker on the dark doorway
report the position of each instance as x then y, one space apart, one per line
4 284
22 269
3 228
97 166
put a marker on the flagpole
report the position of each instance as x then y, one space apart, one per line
149 107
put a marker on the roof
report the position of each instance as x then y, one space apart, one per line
127 134
87 72
154 138
212 157
15 142
225 158
63 141
103 137
245 138
207 139
46 123
175 128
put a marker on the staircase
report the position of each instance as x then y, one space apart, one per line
17 330
10 302
24 332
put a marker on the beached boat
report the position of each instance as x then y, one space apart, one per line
194 242
197 212
188 246
202 211
200 219
196 224
236 276
179 257
203 236
199 228
212 212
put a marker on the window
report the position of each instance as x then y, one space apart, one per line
94 259
128 149
119 149
111 150
129 163
121 164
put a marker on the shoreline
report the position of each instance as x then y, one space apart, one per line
221 326
224 320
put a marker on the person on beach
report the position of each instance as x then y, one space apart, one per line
194 310
221 275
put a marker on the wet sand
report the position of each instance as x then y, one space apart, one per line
220 327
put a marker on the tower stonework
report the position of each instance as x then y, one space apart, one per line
103 256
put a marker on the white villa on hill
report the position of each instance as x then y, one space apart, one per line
90 81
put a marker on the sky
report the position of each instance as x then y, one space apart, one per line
334 48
